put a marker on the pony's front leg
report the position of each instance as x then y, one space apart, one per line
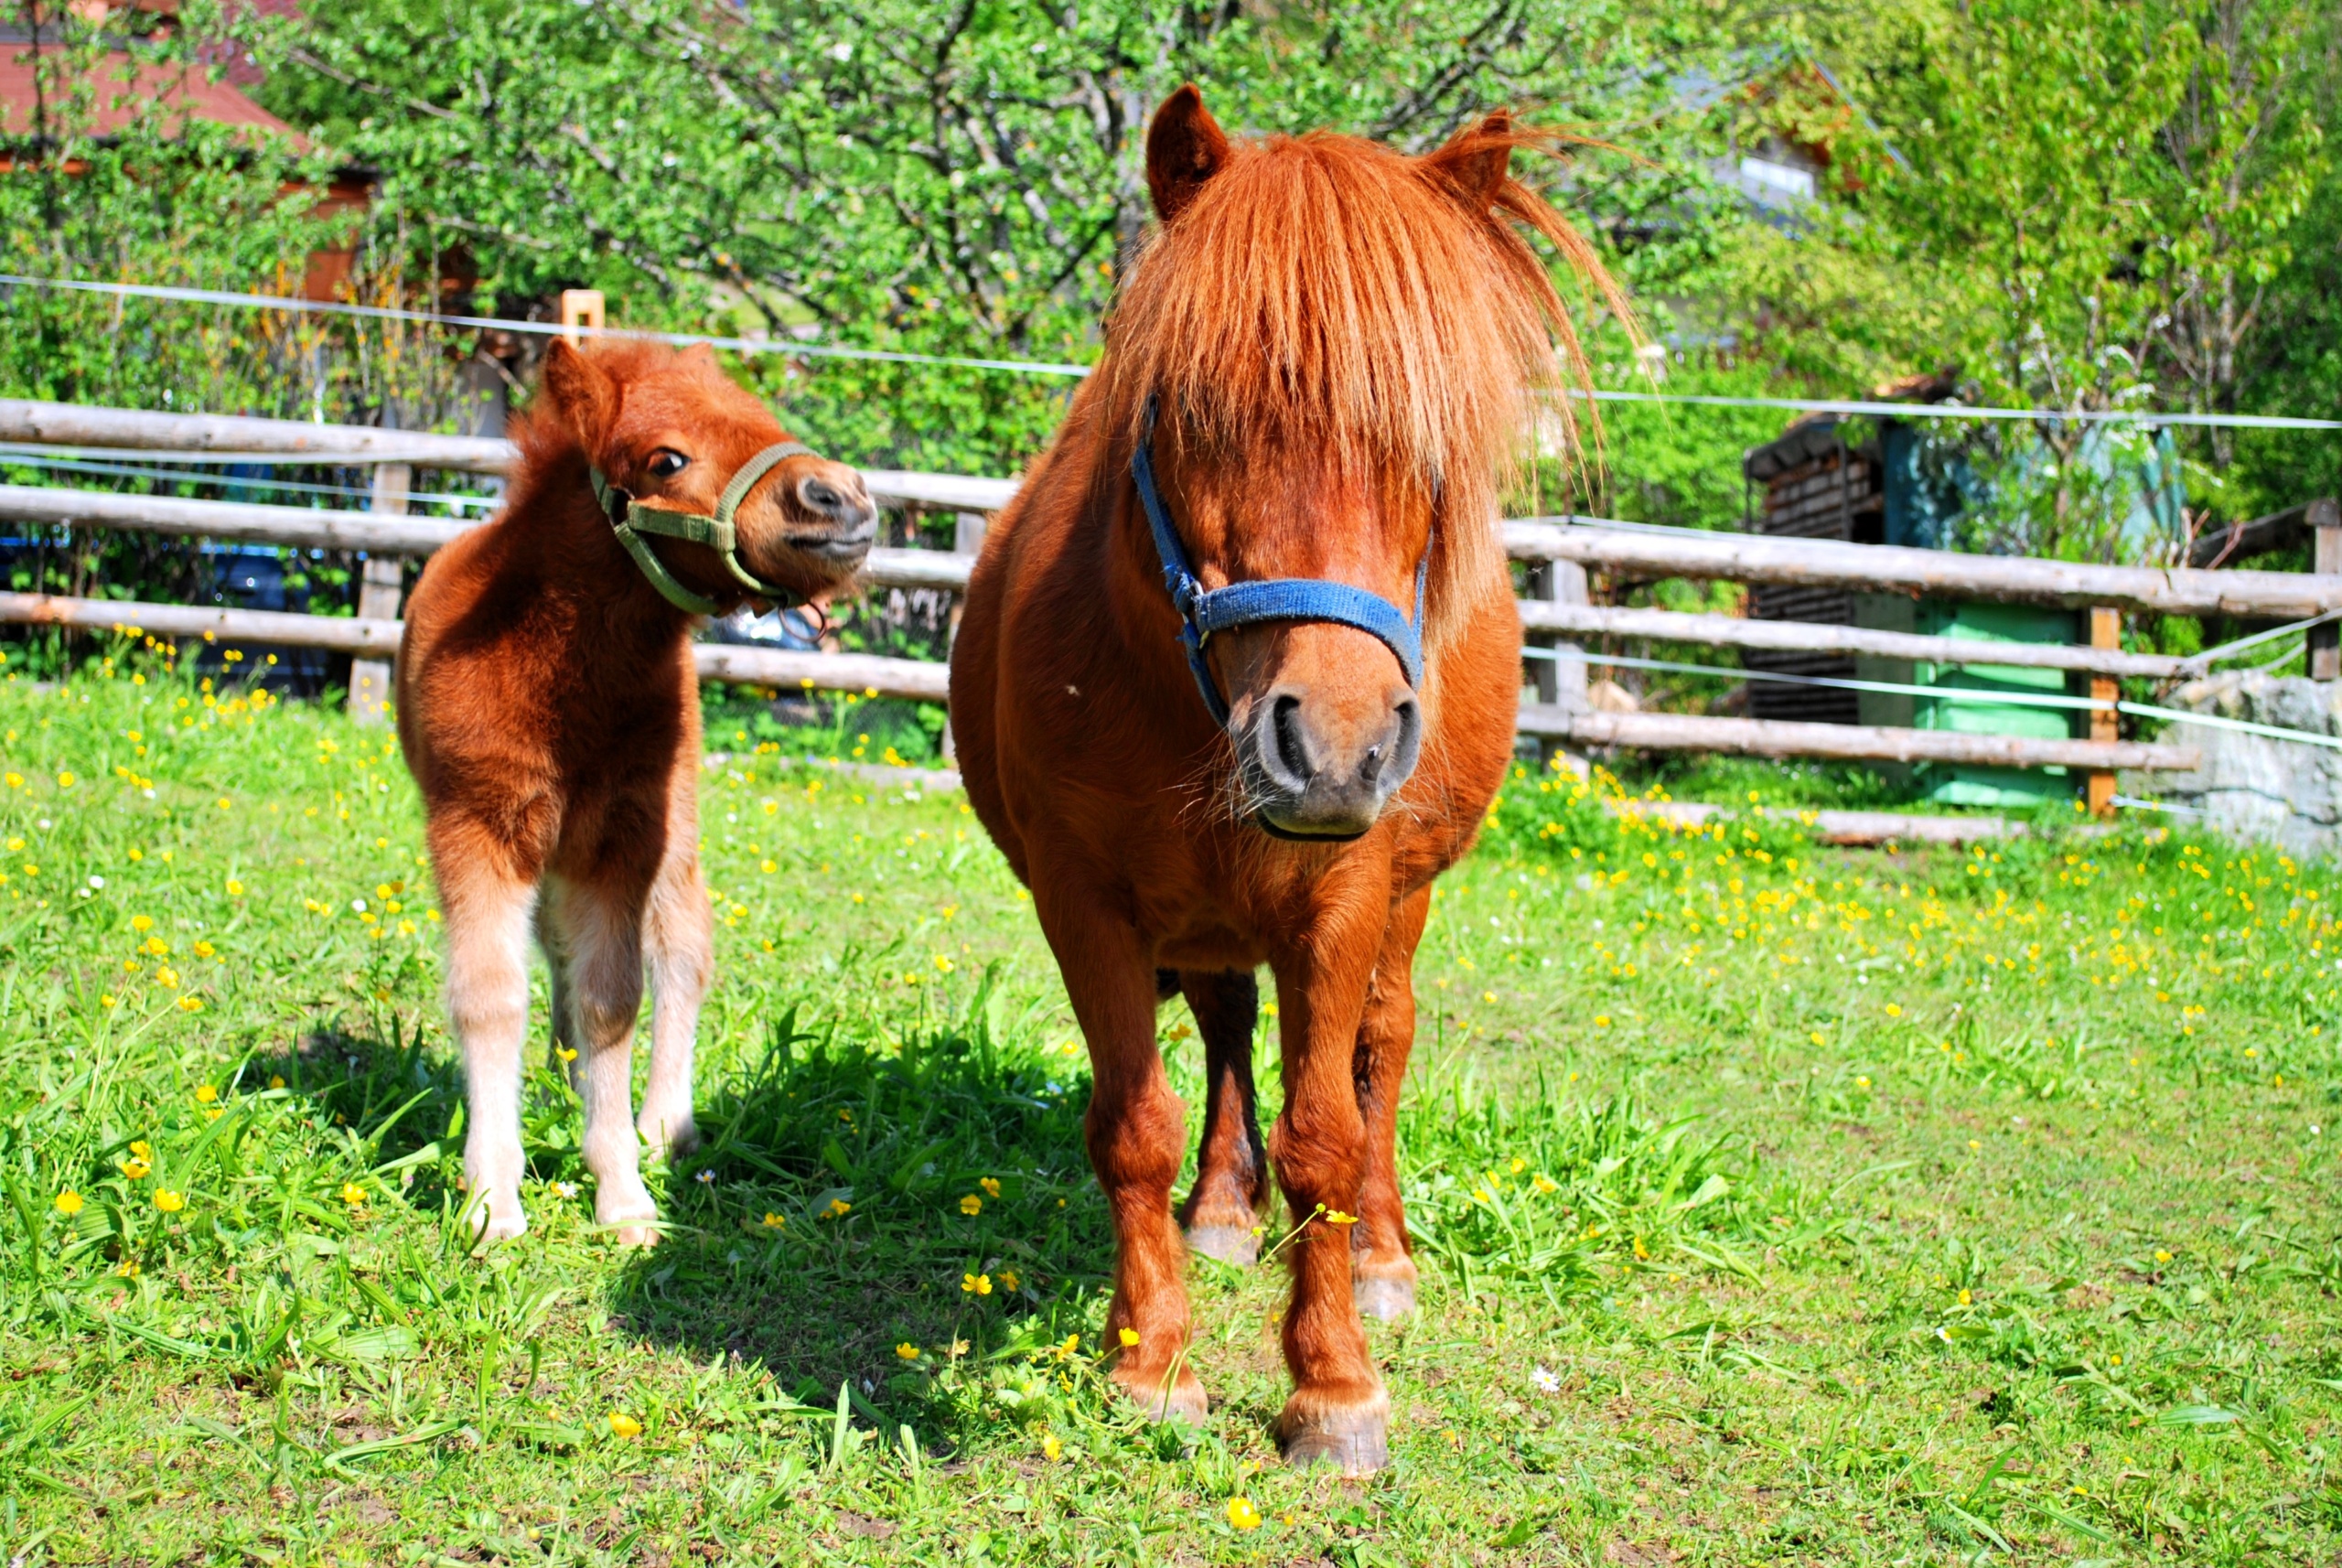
488 908
1136 1132
1222 1214
1382 1270
601 928
1338 1411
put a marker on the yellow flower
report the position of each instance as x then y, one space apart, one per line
1602 1020
204 950
1336 1216
168 1201
1861 1084
838 1210
190 1003
352 1194
1818 1037
69 1203
1641 1250
65 781
158 947
1008 1279
1242 1514
624 1426
772 1221
991 1186
972 1206
127 1268
276 1081
1894 1010
907 1350
1518 1165
206 1094
136 1169
1129 1337
235 888
2162 1256
1072 1343
1051 1449
976 1284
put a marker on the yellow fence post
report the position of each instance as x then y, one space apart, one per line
580 307
2105 631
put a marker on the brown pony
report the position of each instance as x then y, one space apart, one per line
1329 352
548 710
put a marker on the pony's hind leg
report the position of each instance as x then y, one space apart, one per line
1382 1270
1222 1213
562 1054
602 929
488 919
679 932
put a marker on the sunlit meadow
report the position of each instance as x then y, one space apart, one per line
1774 1203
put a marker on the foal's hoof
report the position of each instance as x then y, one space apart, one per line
1354 1437
1182 1399
496 1219
1234 1244
1384 1291
629 1224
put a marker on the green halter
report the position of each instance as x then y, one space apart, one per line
716 532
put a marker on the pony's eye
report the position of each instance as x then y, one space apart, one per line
666 465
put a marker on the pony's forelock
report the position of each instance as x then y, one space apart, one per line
1323 293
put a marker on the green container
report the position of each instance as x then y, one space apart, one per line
1955 784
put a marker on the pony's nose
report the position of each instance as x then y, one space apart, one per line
1314 774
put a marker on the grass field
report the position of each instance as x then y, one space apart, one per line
1774 1204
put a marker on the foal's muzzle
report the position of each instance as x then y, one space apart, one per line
844 518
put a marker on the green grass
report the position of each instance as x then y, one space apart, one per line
1774 1204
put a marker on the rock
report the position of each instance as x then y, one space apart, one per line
2258 788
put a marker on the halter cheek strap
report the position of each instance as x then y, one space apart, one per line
1203 611
630 520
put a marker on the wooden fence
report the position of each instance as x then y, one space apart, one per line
1558 552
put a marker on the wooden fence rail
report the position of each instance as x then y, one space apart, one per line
1559 551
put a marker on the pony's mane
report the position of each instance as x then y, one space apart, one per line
1327 294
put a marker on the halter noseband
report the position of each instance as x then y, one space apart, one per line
1203 611
633 520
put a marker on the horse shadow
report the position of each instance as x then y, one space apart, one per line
889 1217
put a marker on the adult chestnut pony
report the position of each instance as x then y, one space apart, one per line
548 710
1312 386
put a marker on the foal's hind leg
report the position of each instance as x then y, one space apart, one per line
679 933
600 925
1383 1272
563 1052
1222 1214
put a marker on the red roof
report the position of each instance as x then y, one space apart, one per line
123 90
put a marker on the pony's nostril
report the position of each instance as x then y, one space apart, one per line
1292 746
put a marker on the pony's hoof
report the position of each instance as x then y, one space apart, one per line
1388 1297
1354 1437
676 1133
635 1236
633 1223
1234 1244
1184 1400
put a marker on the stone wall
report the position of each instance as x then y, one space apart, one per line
2257 789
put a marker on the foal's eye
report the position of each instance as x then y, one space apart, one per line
666 465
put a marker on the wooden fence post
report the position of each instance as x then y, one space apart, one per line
580 307
2324 522
1561 680
2098 784
378 598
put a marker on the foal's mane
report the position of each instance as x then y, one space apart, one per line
1323 293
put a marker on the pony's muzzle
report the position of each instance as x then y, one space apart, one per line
1312 772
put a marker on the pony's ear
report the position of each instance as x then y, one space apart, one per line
1476 158
1185 148
585 397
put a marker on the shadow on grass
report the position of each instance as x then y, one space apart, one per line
390 1090
854 1198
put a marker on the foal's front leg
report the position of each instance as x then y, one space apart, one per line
487 905
600 929
680 933
1136 1131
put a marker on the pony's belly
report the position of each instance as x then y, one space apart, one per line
1211 949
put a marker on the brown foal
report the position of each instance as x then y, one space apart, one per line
548 710
1328 353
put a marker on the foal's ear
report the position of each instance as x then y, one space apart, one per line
587 397
1476 158
1185 148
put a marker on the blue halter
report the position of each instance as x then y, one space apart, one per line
1203 611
